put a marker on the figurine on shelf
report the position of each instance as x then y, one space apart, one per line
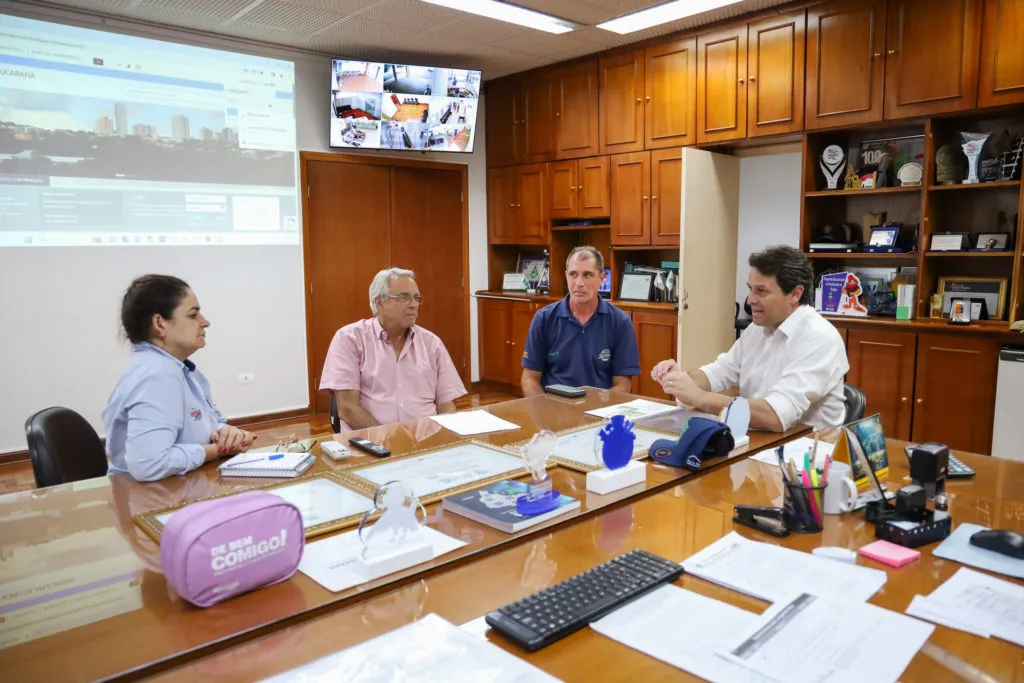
853 291
852 180
947 164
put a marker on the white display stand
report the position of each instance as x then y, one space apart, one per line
604 480
387 560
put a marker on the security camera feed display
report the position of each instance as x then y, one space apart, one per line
376 105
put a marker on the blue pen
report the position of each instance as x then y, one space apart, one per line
275 456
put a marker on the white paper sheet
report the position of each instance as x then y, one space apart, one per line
329 562
794 450
770 573
633 410
813 639
922 608
424 651
957 547
471 422
979 599
684 629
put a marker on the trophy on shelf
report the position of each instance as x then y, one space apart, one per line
832 163
395 541
539 497
973 144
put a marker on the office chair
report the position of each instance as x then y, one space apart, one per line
856 403
335 418
63 447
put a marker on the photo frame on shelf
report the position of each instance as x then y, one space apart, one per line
535 268
960 311
949 241
992 290
993 241
636 286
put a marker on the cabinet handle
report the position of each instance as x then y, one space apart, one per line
890 52
638 100
877 55
645 198
508 342
654 198
904 399
572 187
579 187
920 401
648 98
519 206
558 113
752 79
741 81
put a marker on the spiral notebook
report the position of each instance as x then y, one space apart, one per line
267 465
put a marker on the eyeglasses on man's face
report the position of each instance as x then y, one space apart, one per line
405 298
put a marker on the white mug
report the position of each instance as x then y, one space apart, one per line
841 492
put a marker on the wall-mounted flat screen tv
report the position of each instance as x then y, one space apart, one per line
377 105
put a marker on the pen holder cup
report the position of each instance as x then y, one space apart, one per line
801 508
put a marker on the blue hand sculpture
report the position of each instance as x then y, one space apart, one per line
618 437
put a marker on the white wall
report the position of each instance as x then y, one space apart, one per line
769 209
58 349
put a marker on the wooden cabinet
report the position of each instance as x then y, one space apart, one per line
631 198
579 189
621 93
845 63
538 123
882 366
775 74
954 393
576 111
931 56
504 111
666 195
656 337
1001 72
721 85
517 211
504 325
670 102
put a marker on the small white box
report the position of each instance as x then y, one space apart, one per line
390 560
604 480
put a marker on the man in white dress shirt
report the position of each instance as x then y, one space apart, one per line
789 364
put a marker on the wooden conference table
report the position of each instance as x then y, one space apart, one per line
674 524
82 596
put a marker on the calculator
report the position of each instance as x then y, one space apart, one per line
956 468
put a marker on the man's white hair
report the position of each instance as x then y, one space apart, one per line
381 285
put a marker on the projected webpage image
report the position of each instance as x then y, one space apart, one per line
377 105
108 139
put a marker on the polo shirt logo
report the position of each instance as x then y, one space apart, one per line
605 355
552 354
197 415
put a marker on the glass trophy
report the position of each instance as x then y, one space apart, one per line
539 497
972 146
617 438
401 518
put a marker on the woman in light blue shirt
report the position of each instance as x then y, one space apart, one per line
160 419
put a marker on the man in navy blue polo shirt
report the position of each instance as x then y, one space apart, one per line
582 339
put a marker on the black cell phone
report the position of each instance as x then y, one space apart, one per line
370 447
564 390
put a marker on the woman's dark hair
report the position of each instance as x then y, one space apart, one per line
145 297
789 266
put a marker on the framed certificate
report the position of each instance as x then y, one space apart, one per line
577 446
434 473
324 502
990 289
636 286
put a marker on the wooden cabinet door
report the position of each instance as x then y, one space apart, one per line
503 126
495 339
538 119
593 187
931 57
521 317
563 194
882 366
722 85
845 63
670 104
621 103
631 193
775 74
666 195
531 205
1001 73
501 206
576 105
954 394
656 341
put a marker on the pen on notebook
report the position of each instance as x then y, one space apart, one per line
275 456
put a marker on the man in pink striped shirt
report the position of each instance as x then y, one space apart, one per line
386 368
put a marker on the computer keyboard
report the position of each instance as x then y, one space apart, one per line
553 613
957 469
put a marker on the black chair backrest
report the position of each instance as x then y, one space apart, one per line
63 447
335 419
856 403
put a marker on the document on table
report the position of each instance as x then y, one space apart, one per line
684 629
430 649
976 603
329 562
471 422
770 573
634 410
957 547
814 639
794 450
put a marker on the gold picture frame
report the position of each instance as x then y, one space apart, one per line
151 523
952 287
640 452
405 466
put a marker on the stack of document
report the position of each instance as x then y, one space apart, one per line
976 603
794 452
780 572
267 465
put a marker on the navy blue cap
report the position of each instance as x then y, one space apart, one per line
702 438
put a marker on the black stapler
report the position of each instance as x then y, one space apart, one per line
767 519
